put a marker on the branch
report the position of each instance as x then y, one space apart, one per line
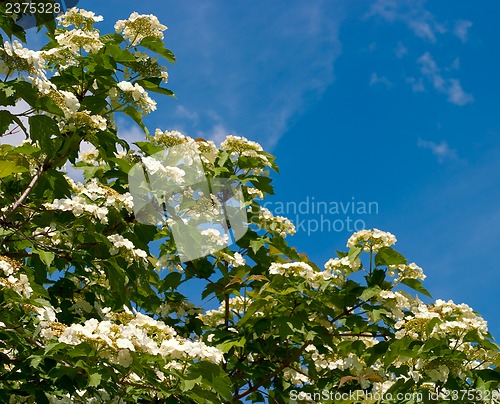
25 194
284 365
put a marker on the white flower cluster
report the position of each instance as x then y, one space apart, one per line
237 308
206 149
180 309
86 195
214 238
239 145
77 39
288 269
84 36
275 224
371 239
120 243
169 138
324 363
255 193
156 167
14 57
456 320
89 156
79 18
134 94
139 26
337 269
138 333
84 119
297 378
170 262
234 259
396 302
406 271
78 206
12 279
48 233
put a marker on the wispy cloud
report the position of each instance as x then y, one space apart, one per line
400 50
412 13
15 135
451 87
184 113
417 85
375 79
129 131
461 29
442 150
256 67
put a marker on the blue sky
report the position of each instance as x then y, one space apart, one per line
386 101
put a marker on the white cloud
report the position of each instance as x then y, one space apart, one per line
412 13
130 131
401 50
461 29
184 113
256 67
376 79
451 87
217 133
456 94
442 150
15 134
417 85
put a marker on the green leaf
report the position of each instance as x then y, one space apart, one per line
171 281
46 257
9 167
227 345
42 128
415 284
94 380
257 244
153 84
157 46
389 256
6 119
112 38
370 292
354 252
149 148
137 117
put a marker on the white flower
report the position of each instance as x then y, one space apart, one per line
407 271
124 358
7 268
79 18
77 39
120 243
214 237
135 94
277 224
139 26
154 167
372 239
234 259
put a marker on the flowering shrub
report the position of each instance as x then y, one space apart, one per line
91 307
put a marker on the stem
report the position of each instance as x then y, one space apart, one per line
226 310
284 365
25 194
